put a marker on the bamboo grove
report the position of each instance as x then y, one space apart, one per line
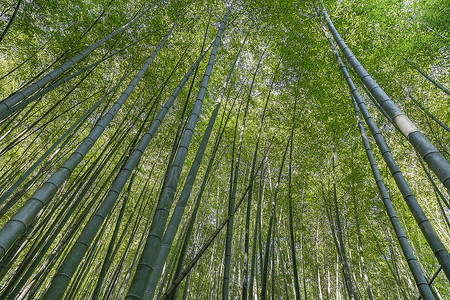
224 149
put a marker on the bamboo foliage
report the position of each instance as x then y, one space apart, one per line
60 82
95 149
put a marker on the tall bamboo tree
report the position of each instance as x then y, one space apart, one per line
140 279
428 231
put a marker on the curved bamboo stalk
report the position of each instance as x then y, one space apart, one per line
231 193
283 268
291 222
106 264
199 195
340 240
113 284
358 236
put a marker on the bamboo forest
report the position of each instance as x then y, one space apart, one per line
224 149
